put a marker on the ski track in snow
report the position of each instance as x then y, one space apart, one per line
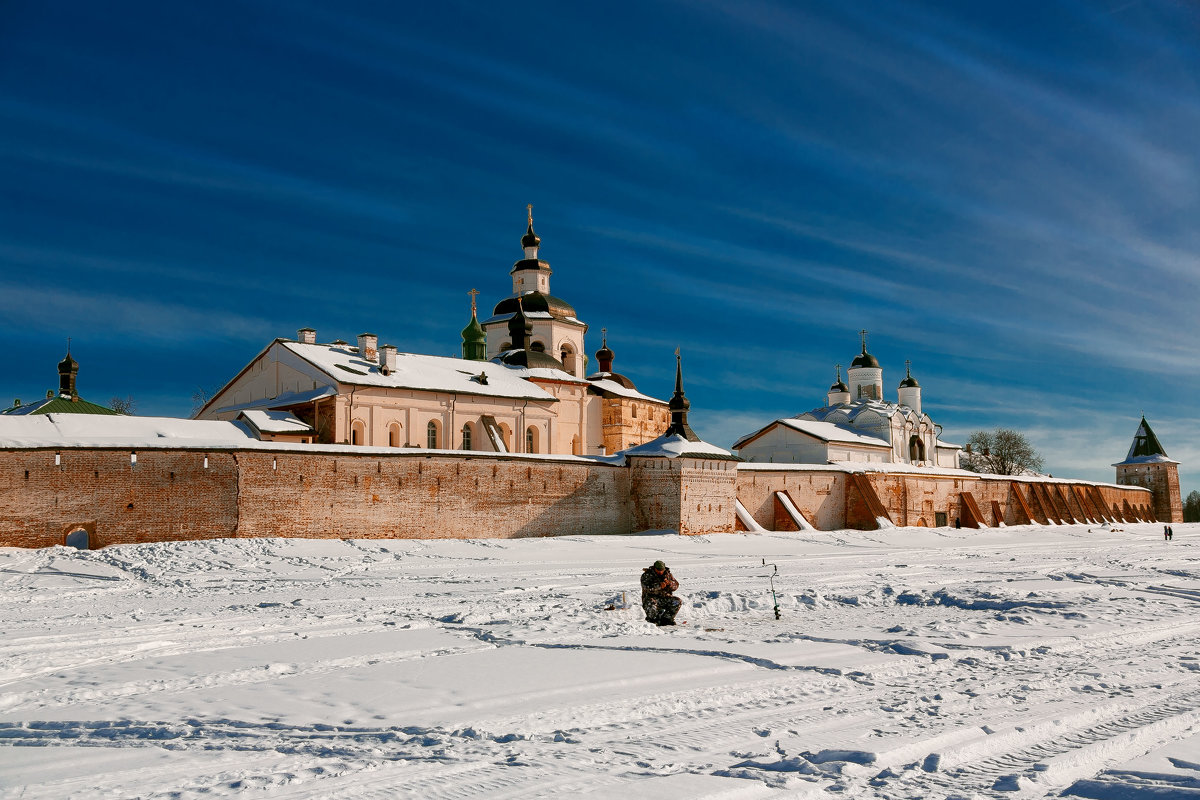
1024 662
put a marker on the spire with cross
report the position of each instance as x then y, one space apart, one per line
474 338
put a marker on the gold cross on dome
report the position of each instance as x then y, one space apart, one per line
473 292
863 334
530 209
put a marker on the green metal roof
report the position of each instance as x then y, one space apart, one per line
60 405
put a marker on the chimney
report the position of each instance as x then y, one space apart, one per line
388 361
367 344
306 336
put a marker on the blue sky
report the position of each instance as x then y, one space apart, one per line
1005 193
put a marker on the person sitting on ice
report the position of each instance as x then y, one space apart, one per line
658 602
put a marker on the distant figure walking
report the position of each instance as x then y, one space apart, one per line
1170 533
1166 533
658 602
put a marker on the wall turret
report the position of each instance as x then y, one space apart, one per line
1147 464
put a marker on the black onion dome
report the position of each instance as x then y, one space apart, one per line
68 364
604 354
839 387
865 359
533 359
617 377
531 239
910 383
536 301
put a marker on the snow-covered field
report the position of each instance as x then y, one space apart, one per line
909 663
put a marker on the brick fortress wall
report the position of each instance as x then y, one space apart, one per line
120 496
168 495
834 499
117 496
423 497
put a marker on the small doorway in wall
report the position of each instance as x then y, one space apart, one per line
79 539
939 519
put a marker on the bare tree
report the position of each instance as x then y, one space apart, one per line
123 405
1000 452
200 398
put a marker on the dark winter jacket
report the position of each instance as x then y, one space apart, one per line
657 583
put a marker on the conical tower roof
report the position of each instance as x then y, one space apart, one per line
1146 448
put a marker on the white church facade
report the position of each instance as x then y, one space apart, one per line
855 425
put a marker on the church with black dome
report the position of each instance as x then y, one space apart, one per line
522 384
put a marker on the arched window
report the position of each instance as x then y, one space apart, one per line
531 440
358 432
506 437
916 449
431 435
575 446
537 347
394 434
567 357
466 436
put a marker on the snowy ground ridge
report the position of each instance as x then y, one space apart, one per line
1023 662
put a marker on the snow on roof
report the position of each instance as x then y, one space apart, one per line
76 431
430 373
673 446
612 387
528 315
856 407
275 421
825 431
89 430
1157 458
831 432
285 399
545 373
